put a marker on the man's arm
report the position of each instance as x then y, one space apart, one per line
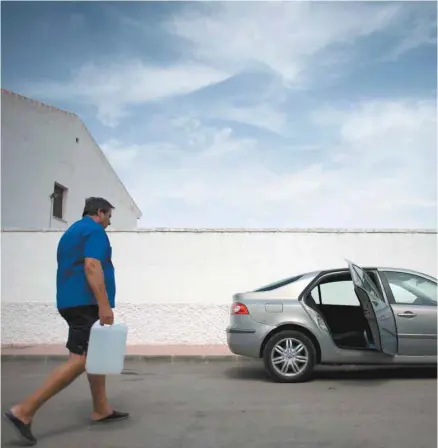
94 251
95 277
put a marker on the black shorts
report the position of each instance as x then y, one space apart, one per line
80 319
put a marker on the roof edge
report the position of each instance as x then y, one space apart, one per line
39 103
107 162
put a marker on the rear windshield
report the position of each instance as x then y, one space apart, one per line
287 281
278 284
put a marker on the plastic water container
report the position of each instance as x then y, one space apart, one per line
106 349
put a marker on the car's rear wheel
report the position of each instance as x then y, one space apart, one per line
290 357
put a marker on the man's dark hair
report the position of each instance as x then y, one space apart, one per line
93 205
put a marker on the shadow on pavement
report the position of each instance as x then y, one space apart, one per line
359 374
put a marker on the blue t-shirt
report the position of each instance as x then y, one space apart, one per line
83 239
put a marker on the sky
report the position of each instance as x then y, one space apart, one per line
246 114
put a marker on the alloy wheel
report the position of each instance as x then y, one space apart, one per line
289 357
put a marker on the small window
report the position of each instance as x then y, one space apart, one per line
336 293
58 201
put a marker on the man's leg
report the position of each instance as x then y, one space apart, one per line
21 415
101 408
58 379
102 411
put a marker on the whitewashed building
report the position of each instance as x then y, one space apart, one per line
50 164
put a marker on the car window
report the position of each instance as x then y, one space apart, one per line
292 286
411 289
278 283
402 295
337 293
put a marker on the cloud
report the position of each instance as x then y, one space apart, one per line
386 160
289 38
377 171
192 160
120 157
112 88
422 28
296 43
264 116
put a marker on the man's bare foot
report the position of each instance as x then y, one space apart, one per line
111 416
100 415
21 414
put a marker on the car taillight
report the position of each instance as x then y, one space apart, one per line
239 308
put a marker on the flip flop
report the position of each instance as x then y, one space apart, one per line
22 430
114 417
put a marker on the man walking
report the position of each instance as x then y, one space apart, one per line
85 294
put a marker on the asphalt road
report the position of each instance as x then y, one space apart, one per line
225 405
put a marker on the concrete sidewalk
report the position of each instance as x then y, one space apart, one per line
134 352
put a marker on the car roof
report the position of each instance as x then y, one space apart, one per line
369 268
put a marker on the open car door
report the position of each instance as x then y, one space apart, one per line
377 311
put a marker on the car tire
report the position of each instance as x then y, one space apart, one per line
277 376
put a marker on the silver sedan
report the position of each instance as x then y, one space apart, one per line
374 316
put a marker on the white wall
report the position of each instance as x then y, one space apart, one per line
175 287
39 148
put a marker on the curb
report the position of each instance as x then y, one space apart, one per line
137 358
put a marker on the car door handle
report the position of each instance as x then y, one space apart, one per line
407 314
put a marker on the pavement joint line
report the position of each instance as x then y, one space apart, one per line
173 359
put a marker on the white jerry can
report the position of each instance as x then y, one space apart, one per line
106 349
